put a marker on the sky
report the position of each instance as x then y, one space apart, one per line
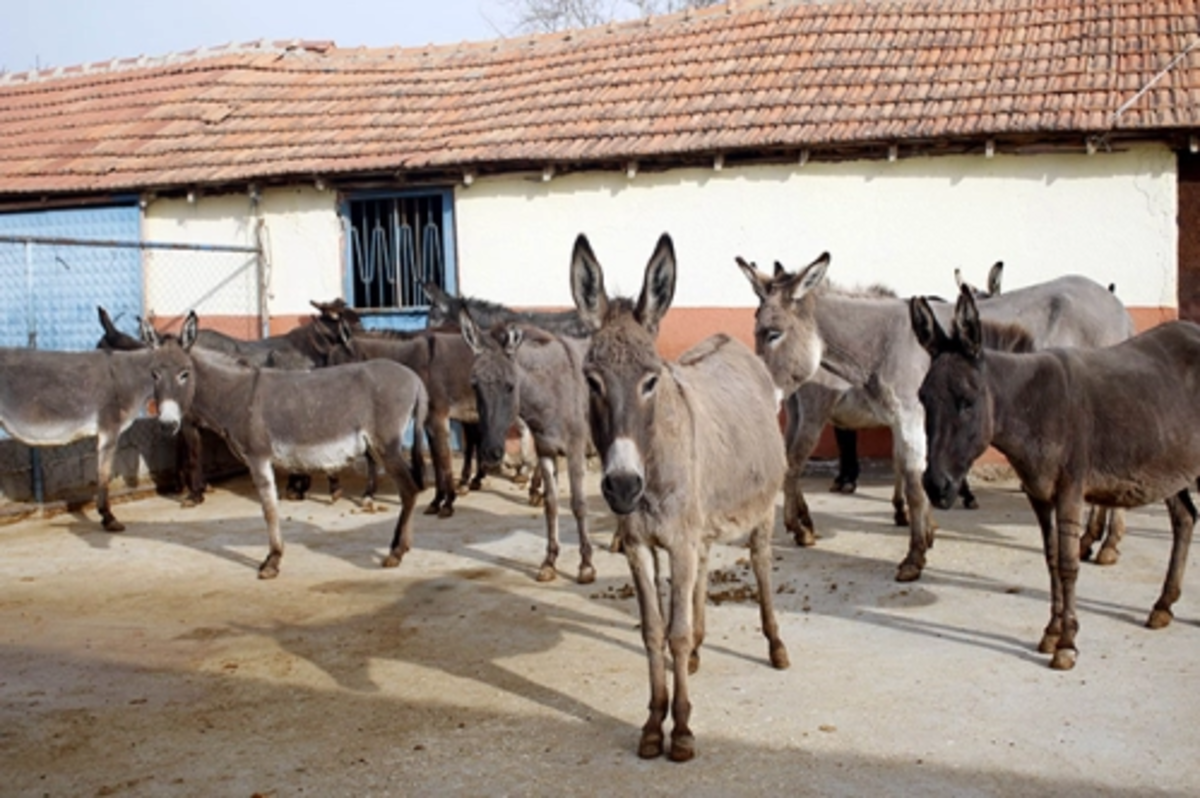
48 33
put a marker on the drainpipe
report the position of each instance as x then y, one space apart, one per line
35 455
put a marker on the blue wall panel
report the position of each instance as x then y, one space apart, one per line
50 294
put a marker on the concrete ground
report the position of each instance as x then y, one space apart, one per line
153 662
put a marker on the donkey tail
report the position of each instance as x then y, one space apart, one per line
419 413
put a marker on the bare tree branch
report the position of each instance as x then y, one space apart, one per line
544 16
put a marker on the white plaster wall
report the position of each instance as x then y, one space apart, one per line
906 224
302 238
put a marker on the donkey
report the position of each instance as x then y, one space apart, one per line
266 415
1118 427
861 346
525 372
446 309
54 398
692 455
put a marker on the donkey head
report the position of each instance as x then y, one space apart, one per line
171 370
495 379
954 394
113 339
785 327
623 367
444 309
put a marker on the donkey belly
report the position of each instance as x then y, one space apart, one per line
41 431
330 454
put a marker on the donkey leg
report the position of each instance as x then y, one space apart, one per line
472 436
1109 551
576 466
548 467
439 445
846 480
189 454
1183 522
699 603
368 499
263 475
760 561
968 498
106 451
1093 530
297 487
1053 631
806 416
642 568
399 471
684 567
899 505
1068 516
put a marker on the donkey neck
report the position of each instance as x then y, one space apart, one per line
858 332
224 390
1026 402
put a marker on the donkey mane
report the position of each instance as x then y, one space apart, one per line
1006 336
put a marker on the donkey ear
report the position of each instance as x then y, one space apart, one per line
437 297
658 287
929 333
760 282
994 275
470 332
795 286
967 328
187 336
512 338
587 284
148 334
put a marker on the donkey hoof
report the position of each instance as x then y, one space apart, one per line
683 747
547 574
446 512
587 574
651 745
335 496
268 572
392 560
1063 659
970 504
908 572
804 537
536 500
113 525
693 662
900 518
1159 619
476 484
779 657
432 509
368 504
846 486
1108 557
1048 644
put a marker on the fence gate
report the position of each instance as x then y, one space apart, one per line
53 286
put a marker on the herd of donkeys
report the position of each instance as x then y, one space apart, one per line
1092 417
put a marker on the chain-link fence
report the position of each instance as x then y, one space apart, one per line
52 289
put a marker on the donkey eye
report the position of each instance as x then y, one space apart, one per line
772 336
184 376
509 387
156 374
595 384
649 385
963 403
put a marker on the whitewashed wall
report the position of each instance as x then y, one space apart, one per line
906 224
302 239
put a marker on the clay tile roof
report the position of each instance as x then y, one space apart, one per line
766 76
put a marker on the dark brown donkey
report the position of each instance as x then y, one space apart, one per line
1118 427
266 416
55 398
692 455
521 371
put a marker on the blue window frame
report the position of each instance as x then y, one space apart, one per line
394 241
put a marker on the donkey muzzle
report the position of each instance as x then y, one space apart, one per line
940 489
622 490
170 416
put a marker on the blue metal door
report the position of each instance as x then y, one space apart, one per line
51 291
